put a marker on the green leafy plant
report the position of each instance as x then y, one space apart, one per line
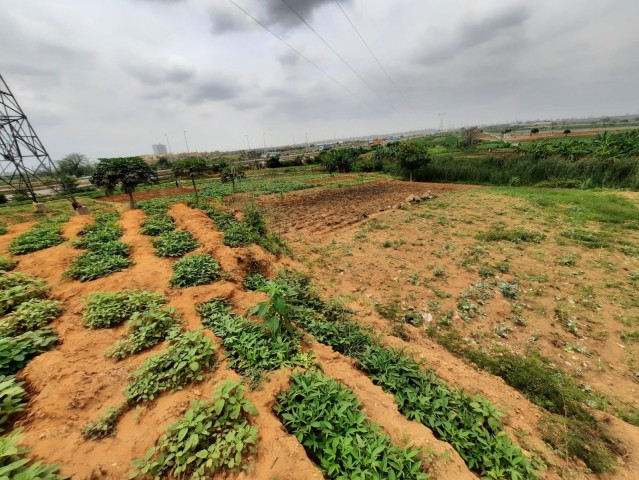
16 352
157 225
214 436
185 361
198 269
109 309
94 265
144 330
44 235
30 315
250 351
6 264
174 244
16 288
15 465
12 398
105 425
276 313
327 419
254 281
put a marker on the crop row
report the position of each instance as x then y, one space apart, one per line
45 234
24 334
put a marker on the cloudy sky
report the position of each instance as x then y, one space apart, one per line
110 78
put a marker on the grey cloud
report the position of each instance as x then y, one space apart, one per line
225 20
213 91
278 13
472 34
155 73
289 59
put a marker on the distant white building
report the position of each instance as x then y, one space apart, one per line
159 149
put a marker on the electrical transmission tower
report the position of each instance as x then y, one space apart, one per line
442 116
24 162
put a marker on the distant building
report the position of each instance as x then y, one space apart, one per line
159 149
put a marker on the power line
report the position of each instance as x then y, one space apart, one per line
370 50
300 53
344 61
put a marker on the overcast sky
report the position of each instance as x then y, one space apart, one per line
110 78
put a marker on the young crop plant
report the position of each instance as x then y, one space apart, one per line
470 424
214 436
16 352
327 419
105 425
146 329
184 362
254 281
16 288
155 206
194 270
12 398
277 312
174 244
6 264
30 315
109 309
15 465
250 350
157 225
44 235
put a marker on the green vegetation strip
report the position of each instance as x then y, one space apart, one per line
571 429
174 244
107 254
194 270
470 424
250 349
214 436
187 360
327 419
157 225
45 234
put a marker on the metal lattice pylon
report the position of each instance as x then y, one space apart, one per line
23 158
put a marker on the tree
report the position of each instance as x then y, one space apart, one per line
191 167
76 165
534 131
411 156
340 159
129 172
470 136
567 132
232 173
163 163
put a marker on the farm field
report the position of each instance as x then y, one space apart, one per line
520 304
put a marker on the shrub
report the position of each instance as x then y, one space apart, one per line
16 352
44 235
15 465
182 363
108 309
174 244
327 419
144 330
225 436
92 265
30 315
157 225
6 264
254 219
16 288
12 398
198 269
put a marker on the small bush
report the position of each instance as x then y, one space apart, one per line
108 309
225 436
174 244
93 265
198 269
44 235
144 330
30 315
254 218
6 264
184 362
12 398
16 352
15 465
157 225
16 288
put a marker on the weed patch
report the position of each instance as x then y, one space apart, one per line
327 419
587 238
518 235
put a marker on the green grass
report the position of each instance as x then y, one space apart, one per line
517 235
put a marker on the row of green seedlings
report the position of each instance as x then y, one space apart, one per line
24 333
215 435
45 234
324 415
470 424
190 271
106 253
251 229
